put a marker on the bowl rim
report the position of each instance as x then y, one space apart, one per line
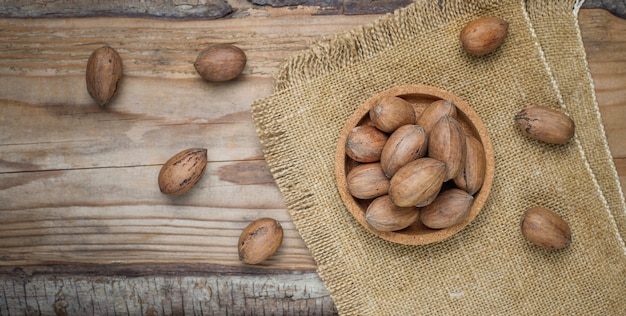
480 197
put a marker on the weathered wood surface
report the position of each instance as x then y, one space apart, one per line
85 229
79 181
618 8
604 38
214 9
188 292
182 9
205 9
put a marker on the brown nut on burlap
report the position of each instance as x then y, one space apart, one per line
488 268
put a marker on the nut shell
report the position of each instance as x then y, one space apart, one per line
385 216
434 112
181 172
390 112
220 62
260 240
446 143
367 181
448 209
416 182
483 36
545 228
407 143
365 143
546 125
103 74
429 200
472 175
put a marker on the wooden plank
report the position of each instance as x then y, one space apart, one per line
348 7
370 7
150 120
90 173
618 8
213 9
206 9
87 174
212 291
604 38
162 49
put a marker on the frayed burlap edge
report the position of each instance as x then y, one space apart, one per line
331 54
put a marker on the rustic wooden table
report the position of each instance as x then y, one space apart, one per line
83 226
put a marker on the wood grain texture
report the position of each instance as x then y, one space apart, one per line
78 183
215 9
604 38
85 178
618 8
206 9
209 292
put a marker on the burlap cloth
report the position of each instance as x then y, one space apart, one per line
488 268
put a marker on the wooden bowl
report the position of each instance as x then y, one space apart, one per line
419 96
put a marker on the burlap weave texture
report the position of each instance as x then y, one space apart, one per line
559 36
488 268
